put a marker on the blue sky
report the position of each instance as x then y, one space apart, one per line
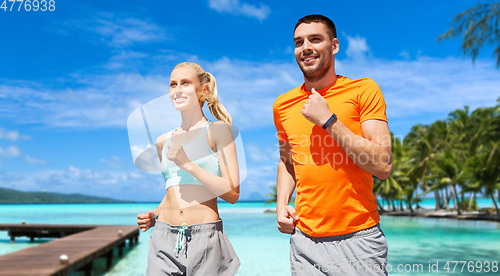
70 78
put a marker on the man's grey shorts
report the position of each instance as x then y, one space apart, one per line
359 253
206 250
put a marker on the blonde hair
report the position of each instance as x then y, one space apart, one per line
213 104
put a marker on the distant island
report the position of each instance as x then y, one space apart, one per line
10 196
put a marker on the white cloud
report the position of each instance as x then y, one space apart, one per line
357 47
123 184
413 89
237 8
132 185
258 181
429 85
405 55
11 151
259 153
12 135
99 101
35 161
113 162
116 31
249 89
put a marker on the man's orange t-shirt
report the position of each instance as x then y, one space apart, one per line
334 196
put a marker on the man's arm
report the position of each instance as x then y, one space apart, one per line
285 186
371 152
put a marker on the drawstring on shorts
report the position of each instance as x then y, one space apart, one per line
181 237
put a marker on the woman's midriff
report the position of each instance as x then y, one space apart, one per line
190 204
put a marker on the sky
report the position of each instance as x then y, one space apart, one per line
69 79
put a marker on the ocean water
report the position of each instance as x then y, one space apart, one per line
430 203
417 246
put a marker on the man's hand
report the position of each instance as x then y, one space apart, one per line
146 220
316 109
286 219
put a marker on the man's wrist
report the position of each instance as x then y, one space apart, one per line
330 121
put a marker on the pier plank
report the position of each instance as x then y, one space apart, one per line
82 249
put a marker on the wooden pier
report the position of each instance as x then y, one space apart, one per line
81 243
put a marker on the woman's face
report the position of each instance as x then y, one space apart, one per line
184 85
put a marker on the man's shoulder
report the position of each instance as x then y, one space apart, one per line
360 87
365 82
286 96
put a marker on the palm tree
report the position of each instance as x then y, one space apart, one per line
274 196
479 26
425 142
485 163
451 171
390 188
486 170
408 195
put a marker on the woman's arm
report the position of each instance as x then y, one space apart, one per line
160 141
147 220
226 186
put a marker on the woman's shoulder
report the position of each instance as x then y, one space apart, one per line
221 131
161 139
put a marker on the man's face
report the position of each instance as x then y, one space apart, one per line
314 50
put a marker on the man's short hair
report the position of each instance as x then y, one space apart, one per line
318 18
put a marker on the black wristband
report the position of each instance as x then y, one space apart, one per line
329 122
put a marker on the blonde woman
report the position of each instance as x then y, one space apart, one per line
199 164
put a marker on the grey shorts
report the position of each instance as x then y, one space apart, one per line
199 249
360 253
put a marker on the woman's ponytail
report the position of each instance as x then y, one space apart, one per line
213 104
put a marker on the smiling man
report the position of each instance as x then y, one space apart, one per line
333 137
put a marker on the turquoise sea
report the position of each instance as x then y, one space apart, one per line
416 245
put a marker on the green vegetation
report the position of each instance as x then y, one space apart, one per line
479 26
14 196
274 196
450 159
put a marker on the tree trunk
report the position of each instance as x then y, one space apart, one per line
447 195
393 206
495 203
401 208
438 200
409 205
455 198
471 199
445 201
380 206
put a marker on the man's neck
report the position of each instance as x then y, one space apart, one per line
329 79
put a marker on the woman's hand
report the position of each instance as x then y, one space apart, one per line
178 156
146 220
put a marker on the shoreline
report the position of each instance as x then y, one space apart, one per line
431 213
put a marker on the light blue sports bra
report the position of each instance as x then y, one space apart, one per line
197 150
